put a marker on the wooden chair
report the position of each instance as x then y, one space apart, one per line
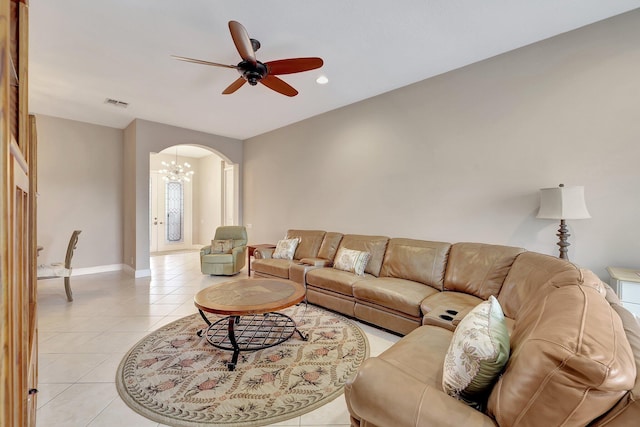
58 269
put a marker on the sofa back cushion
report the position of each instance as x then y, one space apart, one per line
529 272
417 260
309 244
375 245
478 269
329 246
237 233
570 359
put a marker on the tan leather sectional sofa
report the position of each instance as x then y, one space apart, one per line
575 351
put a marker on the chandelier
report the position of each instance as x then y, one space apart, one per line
175 171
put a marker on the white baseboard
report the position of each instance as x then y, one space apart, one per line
136 273
142 273
112 267
97 269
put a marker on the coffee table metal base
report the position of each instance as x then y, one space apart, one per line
249 333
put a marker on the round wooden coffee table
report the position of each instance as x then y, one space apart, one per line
249 306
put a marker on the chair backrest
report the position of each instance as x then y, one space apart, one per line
237 233
72 245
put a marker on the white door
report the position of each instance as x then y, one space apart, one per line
156 212
170 220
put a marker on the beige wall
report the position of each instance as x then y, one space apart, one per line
80 182
96 179
149 137
208 199
129 191
460 157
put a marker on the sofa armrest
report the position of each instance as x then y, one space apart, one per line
316 262
445 317
384 395
205 250
261 253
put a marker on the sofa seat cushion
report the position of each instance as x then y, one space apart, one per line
570 343
382 395
421 354
396 294
447 300
272 267
217 259
334 280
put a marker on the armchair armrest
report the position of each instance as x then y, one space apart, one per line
385 395
238 250
205 250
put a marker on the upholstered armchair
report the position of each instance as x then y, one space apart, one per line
227 253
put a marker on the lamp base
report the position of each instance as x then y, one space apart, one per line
563 235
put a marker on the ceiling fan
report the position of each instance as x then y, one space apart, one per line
254 71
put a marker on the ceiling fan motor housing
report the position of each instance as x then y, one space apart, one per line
252 73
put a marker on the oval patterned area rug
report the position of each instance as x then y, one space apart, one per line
174 377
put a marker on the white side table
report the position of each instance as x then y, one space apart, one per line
626 283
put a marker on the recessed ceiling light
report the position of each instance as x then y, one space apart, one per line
322 80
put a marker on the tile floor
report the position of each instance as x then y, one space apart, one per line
81 343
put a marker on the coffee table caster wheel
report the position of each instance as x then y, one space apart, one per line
231 366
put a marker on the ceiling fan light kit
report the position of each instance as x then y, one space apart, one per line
254 71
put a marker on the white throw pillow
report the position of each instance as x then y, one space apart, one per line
477 354
286 248
351 260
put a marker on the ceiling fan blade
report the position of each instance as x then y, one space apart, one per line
242 41
293 65
234 86
279 85
200 61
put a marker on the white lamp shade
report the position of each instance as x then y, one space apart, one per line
563 203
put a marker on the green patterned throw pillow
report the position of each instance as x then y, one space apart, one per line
351 260
286 248
221 246
477 354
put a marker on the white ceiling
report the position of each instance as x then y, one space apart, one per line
82 52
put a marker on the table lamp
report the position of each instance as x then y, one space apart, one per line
563 203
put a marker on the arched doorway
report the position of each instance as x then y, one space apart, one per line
185 213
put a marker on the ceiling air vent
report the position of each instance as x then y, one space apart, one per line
116 103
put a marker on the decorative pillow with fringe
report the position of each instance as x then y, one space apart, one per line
477 354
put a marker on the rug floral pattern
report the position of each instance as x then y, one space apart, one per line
174 377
